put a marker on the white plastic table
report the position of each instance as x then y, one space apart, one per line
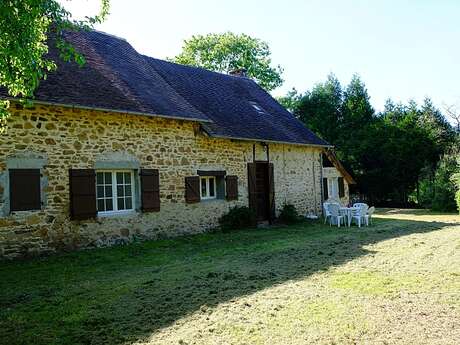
348 211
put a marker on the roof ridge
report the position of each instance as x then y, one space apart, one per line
199 68
110 35
149 67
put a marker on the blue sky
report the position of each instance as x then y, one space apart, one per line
401 49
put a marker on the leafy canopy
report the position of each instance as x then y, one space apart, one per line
25 27
228 51
387 152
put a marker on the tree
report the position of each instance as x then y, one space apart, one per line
453 113
228 51
291 101
26 26
389 153
320 109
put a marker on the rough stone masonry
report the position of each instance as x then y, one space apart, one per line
55 139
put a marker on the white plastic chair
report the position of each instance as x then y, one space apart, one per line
334 210
327 214
368 216
360 204
360 215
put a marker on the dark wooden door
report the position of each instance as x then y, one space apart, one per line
262 192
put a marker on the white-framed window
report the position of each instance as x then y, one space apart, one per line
333 187
114 191
208 187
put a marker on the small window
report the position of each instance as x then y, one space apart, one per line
25 190
257 107
333 187
114 191
208 187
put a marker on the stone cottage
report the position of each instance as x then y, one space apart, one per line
128 147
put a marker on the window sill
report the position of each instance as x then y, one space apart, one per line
210 200
112 214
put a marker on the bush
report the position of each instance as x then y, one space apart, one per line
456 181
238 217
289 214
444 196
458 197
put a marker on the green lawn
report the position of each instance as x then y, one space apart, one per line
397 282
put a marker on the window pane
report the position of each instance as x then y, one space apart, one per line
119 178
100 205
108 191
203 187
121 203
211 187
128 190
127 178
129 203
100 178
120 191
108 205
100 191
108 178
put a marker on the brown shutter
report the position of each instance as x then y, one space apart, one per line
150 190
25 189
232 187
192 189
82 193
341 187
271 191
252 195
325 191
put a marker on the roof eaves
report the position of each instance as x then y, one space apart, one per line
121 111
267 141
335 161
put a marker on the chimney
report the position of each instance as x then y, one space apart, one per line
238 72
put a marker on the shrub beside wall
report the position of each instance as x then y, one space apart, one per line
238 217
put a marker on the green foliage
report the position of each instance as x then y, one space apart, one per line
389 152
238 217
456 181
229 51
291 101
444 184
289 215
25 27
320 109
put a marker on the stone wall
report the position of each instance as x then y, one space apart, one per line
58 139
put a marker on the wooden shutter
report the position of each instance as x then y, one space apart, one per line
25 189
271 191
82 194
150 190
252 192
325 191
341 187
232 187
192 189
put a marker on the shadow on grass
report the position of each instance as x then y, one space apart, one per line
125 294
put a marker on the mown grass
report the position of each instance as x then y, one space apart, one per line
397 282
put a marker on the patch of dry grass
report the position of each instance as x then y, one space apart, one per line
397 282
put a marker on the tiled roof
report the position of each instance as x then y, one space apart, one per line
231 103
116 77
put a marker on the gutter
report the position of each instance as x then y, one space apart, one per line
269 141
64 105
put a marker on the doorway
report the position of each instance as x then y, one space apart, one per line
262 190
